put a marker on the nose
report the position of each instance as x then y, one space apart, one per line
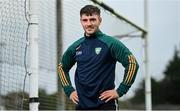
88 23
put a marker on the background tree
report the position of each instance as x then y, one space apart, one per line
166 91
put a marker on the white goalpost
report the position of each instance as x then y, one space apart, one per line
28 54
29 46
33 35
148 96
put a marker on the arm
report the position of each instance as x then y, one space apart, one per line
63 71
122 54
65 65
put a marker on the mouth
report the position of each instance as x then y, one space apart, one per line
89 29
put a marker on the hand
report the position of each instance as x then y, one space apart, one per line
74 97
109 95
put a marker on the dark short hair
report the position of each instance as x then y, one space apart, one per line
89 10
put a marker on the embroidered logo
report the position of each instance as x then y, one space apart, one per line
78 51
98 50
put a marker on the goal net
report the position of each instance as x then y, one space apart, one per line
14 54
14 48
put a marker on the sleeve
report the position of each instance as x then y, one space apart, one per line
63 71
122 54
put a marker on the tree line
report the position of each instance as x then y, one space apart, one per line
165 91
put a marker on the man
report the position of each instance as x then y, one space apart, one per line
96 55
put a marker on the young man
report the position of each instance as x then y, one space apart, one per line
96 55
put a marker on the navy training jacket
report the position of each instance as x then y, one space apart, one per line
96 58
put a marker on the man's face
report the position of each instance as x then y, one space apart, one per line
90 23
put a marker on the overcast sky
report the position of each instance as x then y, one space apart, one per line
164 27
163 30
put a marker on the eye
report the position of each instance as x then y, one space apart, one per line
92 19
84 20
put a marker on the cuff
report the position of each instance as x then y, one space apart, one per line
122 89
68 90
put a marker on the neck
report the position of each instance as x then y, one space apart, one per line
94 35
89 35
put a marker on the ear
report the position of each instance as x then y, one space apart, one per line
80 20
100 19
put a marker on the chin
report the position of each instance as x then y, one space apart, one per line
90 32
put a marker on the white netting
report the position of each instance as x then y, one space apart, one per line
14 52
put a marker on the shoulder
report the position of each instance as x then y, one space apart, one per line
74 45
110 40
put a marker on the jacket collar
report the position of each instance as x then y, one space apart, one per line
95 35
